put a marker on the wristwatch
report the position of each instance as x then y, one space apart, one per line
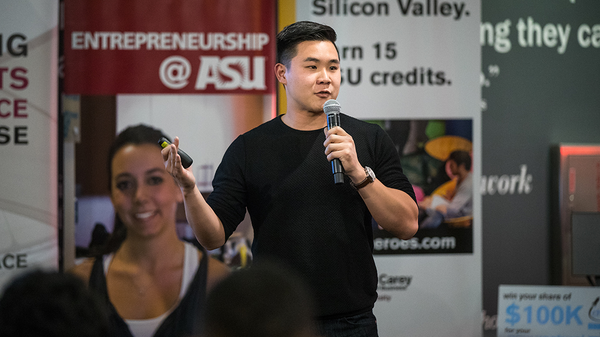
369 179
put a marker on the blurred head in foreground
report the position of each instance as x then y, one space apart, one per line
265 300
50 304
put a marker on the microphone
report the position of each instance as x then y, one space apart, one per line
332 109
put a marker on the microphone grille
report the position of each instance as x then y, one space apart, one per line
332 107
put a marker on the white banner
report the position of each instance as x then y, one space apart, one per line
414 66
548 311
28 136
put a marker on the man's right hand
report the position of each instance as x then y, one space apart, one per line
184 177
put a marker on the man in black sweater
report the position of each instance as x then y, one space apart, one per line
281 173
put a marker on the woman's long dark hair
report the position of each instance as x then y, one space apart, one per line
137 135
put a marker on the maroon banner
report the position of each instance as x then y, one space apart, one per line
169 46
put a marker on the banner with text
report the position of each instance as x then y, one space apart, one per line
199 70
28 136
550 311
147 47
539 80
413 66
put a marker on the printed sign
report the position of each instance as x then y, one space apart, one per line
425 147
539 311
413 68
121 47
28 137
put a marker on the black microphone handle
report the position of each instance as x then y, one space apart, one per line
333 120
338 175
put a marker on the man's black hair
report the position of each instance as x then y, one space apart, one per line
298 32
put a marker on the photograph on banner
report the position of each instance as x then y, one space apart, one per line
436 156
198 70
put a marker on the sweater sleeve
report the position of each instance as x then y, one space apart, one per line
228 198
388 168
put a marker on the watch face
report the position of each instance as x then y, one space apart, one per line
369 179
370 173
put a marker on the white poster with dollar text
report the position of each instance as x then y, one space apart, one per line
413 67
548 311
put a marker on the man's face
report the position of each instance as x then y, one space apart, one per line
313 76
